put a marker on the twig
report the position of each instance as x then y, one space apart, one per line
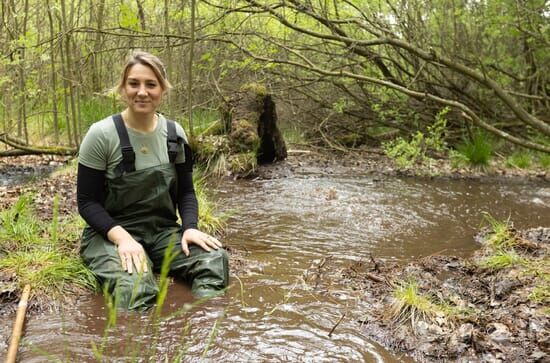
337 323
18 326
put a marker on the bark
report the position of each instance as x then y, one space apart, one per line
65 73
190 70
53 74
22 149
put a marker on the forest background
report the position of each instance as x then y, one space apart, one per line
437 75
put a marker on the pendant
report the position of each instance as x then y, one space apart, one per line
144 149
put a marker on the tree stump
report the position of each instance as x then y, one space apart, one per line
250 119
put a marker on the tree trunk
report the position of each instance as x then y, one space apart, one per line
53 74
190 70
65 74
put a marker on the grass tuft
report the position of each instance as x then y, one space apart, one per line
49 272
42 253
544 160
19 228
409 306
478 150
210 220
541 294
520 160
501 236
502 259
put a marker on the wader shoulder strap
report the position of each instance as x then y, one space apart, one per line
128 156
172 140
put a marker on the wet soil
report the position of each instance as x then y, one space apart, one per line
492 315
312 160
32 174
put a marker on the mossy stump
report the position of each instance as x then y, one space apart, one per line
250 118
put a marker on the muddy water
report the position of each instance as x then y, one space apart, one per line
276 310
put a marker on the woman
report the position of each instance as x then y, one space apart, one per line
134 170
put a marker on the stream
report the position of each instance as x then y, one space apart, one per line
273 310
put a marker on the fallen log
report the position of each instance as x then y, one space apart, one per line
22 149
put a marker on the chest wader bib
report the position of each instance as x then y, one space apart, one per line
143 203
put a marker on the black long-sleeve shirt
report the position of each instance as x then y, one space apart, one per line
90 193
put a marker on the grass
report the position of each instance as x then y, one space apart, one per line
411 306
477 150
541 294
204 120
19 228
243 162
501 235
520 160
502 259
508 250
151 330
50 272
213 334
210 220
292 134
212 153
544 160
38 252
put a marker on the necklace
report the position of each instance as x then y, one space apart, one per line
149 126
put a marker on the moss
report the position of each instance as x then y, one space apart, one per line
244 136
256 88
215 128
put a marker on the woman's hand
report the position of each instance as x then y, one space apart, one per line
201 239
130 251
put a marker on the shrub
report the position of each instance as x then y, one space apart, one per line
408 153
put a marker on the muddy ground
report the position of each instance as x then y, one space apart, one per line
489 315
306 160
494 318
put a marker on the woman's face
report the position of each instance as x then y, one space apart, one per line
142 90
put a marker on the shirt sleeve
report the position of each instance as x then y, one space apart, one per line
188 206
90 195
93 149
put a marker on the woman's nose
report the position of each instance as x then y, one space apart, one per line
141 90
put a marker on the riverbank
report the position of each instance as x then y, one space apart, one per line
304 160
487 308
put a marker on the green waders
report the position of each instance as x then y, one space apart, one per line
142 202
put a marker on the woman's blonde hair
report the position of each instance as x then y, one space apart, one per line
146 59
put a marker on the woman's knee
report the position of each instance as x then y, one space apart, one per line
133 292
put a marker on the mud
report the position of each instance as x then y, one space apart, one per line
308 159
492 315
